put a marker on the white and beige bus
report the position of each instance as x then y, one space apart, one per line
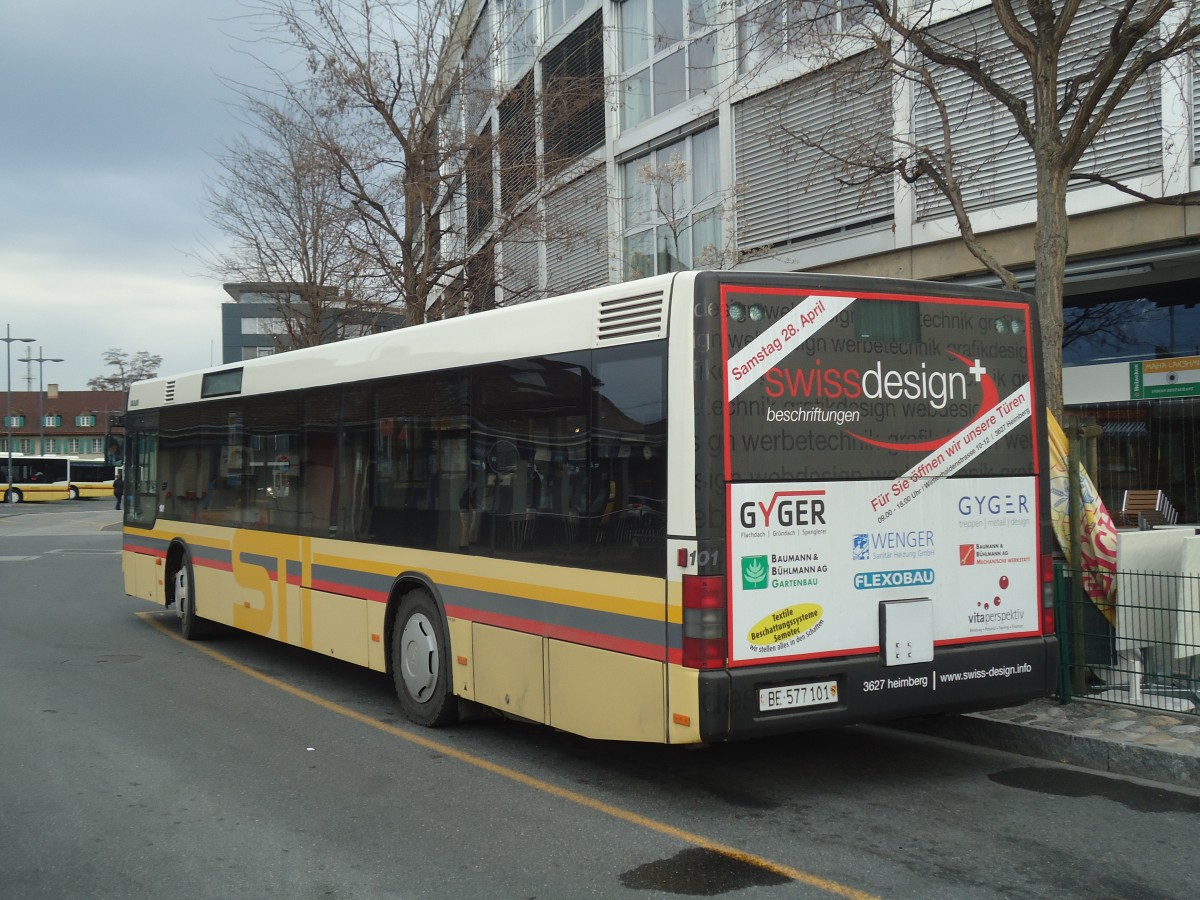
694 508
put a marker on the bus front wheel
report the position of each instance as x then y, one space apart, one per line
13 495
420 662
191 626
73 492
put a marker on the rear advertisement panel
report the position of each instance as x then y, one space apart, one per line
880 452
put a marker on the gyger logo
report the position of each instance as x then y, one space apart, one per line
786 509
993 505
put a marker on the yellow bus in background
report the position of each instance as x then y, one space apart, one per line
35 479
91 479
698 507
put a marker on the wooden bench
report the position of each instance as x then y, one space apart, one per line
1149 506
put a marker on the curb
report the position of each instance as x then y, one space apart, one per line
1100 755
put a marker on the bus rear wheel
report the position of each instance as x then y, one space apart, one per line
13 495
191 626
420 662
73 492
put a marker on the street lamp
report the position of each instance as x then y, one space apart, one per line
8 341
39 359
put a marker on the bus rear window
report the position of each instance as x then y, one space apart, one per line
854 387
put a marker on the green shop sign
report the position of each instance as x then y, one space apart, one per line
1153 379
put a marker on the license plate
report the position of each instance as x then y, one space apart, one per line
793 696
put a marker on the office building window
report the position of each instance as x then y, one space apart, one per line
672 204
668 54
769 32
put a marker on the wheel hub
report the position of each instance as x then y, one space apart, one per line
419 657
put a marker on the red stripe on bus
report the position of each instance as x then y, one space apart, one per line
824 654
561 632
333 587
144 551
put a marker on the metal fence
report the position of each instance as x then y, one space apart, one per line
1143 651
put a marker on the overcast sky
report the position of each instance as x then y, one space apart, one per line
110 113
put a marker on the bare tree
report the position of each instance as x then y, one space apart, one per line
129 368
670 188
411 83
1053 74
292 231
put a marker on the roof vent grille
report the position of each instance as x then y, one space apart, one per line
629 318
169 392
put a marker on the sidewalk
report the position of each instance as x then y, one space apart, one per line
1107 737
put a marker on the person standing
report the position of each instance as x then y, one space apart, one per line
119 489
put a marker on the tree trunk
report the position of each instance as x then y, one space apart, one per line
1050 257
1050 236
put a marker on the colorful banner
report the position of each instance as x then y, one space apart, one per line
1097 531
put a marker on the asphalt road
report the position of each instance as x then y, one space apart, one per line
134 765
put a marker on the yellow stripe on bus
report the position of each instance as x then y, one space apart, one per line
638 596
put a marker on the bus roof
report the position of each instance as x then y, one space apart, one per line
621 313
614 314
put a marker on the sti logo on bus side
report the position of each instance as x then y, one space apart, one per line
789 508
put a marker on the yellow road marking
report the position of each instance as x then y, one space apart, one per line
616 812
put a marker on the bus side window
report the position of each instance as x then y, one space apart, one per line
421 462
529 430
315 481
629 454
141 482
353 501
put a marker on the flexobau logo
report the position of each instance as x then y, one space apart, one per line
867 581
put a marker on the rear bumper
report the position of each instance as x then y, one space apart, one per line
959 679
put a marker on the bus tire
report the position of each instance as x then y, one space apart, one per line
421 663
191 626
13 495
73 492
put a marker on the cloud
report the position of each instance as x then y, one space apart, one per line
112 112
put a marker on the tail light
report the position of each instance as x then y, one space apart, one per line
1047 594
704 641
